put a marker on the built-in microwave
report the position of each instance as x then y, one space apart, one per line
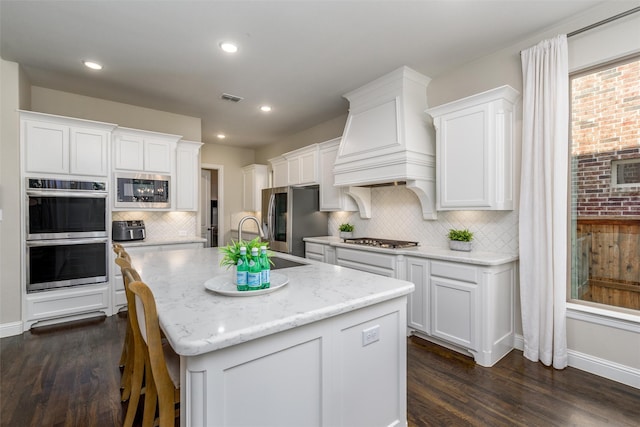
142 191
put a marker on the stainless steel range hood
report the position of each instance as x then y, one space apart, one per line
387 139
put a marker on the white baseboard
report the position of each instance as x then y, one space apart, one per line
518 342
596 366
605 368
10 329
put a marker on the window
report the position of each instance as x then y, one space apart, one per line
605 185
625 173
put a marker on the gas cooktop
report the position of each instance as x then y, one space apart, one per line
381 243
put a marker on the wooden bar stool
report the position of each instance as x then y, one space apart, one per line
163 385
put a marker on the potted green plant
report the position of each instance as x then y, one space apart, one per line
231 252
460 240
346 231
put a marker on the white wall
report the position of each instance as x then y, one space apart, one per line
10 291
233 160
68 104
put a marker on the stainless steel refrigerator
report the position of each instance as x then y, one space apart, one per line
289 214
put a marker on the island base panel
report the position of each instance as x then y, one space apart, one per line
321 374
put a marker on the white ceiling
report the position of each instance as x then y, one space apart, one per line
298 56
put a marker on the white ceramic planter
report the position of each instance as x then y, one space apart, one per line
457 245
346 234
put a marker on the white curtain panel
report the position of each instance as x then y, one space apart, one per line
543 201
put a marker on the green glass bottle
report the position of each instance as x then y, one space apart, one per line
253 276
242 270
265 267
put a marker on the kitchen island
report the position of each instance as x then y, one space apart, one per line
327 349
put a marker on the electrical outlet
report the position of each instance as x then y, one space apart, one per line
370 335
182 233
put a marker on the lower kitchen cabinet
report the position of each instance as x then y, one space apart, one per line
65 304
454 312
320 252
418 301
469 308
372 262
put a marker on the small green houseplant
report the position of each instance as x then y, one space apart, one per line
460 240
231 252
346 231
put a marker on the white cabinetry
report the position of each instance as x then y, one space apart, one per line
332 198
280 170
254 180
187 175
469 308
298 167
454 303
64 145
475 152
67 304
372 262
419 301
320 252
144 151
317 374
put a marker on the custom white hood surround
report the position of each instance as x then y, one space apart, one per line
388 140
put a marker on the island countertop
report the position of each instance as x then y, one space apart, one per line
197 321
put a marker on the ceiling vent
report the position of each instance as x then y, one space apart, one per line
232 98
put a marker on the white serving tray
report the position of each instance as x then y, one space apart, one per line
224 285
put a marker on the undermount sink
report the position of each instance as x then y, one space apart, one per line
283 263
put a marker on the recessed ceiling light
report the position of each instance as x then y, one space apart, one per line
221 136
229 47
93 65
265 108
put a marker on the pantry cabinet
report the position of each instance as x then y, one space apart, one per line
187 175
254 180
62 145
332 198
144 151
475 139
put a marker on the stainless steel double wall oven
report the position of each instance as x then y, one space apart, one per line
67 242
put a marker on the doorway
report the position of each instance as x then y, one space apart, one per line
211 205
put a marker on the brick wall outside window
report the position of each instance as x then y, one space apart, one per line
605 126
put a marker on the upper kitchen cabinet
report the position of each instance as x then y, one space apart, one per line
332 198
144 151
187 175
254 180
298 167
475 153
64 145
280 170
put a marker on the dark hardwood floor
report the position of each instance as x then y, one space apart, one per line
68 376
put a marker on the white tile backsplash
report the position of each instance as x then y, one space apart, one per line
396 214
161 224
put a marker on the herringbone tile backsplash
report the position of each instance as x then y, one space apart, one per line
162 224
396 214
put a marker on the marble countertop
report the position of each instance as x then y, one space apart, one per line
473 257
197 321
163 241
